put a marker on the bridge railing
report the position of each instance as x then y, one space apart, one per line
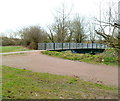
63 46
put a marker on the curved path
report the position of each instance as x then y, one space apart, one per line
37 62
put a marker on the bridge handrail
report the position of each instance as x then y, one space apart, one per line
63 46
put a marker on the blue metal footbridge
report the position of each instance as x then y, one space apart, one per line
74 47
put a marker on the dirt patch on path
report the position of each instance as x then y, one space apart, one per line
37 62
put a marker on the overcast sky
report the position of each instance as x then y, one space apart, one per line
15 14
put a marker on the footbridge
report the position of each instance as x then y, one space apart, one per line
74 47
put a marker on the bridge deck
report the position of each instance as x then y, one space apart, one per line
70 46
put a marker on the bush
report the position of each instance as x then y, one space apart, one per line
10 41
32 45
33 35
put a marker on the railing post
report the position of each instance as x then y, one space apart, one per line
69 45
62 45
87 45
44 46
92 45
54 45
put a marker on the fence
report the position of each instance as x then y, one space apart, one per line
65 46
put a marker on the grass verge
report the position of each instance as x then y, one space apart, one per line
24 84
4 49
108 57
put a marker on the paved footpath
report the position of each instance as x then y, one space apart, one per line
20 52
37 62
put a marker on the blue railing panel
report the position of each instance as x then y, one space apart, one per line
49 46
65 45
58 46
73 45
85 45
41 46
79 45
94 45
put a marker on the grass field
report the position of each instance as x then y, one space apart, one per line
4 49
108 57
24 84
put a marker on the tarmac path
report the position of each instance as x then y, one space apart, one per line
37 62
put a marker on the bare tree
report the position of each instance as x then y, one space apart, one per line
92 34
108 26
79 29
59 29
70 35
51 34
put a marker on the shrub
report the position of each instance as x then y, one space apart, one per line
10 41
33 35
32 45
